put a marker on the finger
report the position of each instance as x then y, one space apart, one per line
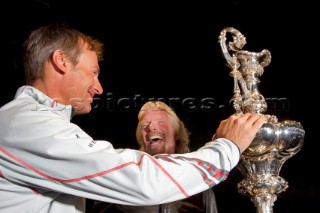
254 120
259 122
235 116
246 116
251 117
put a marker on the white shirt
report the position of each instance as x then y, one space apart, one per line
48 164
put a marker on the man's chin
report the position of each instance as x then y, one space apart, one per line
82 111
155 151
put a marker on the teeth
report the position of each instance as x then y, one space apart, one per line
155 137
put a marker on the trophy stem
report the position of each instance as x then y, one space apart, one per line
264 203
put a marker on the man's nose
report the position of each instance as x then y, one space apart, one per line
152 125
97 87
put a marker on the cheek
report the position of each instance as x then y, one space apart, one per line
143 134
171 147
171 132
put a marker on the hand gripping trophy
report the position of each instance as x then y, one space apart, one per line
275 142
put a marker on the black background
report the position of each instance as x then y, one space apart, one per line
170 49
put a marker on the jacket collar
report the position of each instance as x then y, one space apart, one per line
31 93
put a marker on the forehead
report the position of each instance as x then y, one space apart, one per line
155 115
89 55
89 59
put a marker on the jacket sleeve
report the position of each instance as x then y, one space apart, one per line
48 153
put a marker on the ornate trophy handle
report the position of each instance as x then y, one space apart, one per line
246 68
275 142
238 42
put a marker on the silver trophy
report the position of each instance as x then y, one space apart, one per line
275 142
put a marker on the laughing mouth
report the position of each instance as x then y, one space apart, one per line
154 139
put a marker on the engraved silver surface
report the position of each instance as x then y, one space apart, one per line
275 142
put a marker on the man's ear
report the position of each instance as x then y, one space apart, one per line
59 61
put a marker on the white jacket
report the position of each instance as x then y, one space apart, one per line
48 164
